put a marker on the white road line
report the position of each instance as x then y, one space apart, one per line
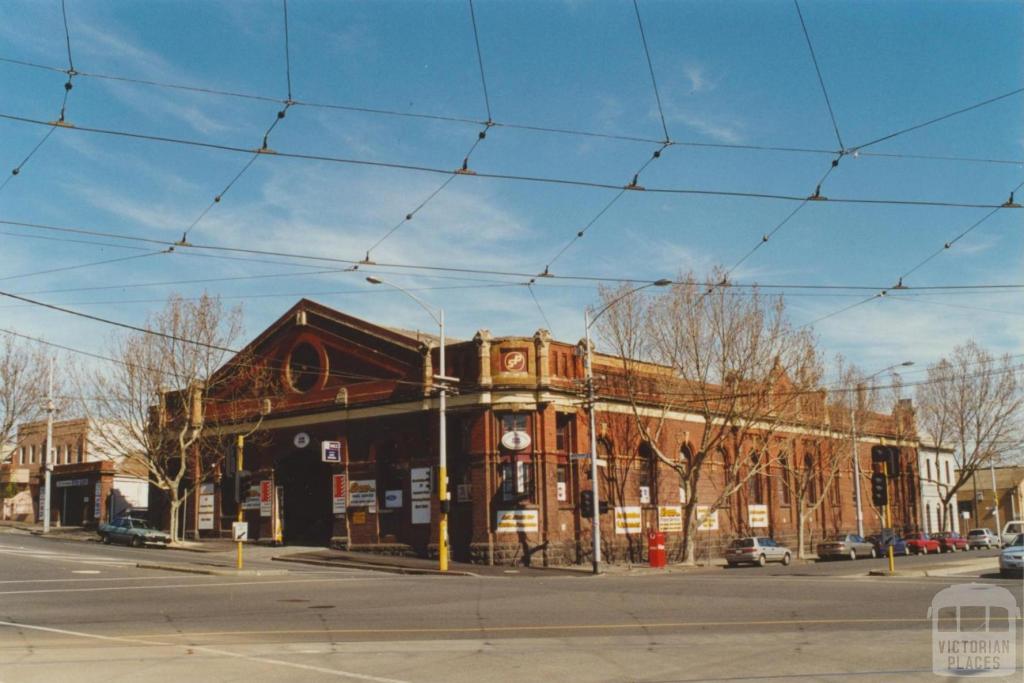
184 585
202 648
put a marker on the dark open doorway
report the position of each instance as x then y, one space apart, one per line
307 517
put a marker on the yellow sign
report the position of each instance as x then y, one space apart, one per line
628 520
359 517
706 520
517 521
670 518
757 516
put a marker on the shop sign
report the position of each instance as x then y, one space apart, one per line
757 516
266 498
338 494
301 440
96 501
359 517
252 498
463 493
330 451
393 499
421 512
670 518
363 493
628 520
513 361
706 520
65 483
420 483
517 521
515 440
206 506
42 503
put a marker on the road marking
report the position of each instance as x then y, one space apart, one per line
201 648
184 585
85 571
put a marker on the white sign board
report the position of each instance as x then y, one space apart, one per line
645 495
338 494
463 493
421 512
628 520
205 507
706 520
420 483
42 503
240 531
670 518
517 521
266 498
757 516
393 499
363 493
96 503
301 440
682 495
330 451
515 440
561 492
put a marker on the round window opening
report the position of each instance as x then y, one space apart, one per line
304 367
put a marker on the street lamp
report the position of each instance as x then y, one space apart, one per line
442 445
589 375
853 437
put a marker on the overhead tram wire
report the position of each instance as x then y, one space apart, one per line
60 122
650 68
817 70
480 63
80 266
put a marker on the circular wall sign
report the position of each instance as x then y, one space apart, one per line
515 440
301 440
515 361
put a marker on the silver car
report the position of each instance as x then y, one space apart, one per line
982 538
1011 560
845 545
757 550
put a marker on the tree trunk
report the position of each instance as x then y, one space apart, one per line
801 521
175 503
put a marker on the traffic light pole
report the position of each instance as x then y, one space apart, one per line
596 516
239 454
888 518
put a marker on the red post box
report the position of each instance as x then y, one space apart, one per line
656 548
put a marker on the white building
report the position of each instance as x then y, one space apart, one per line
937 469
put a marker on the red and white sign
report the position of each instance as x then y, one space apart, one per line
338 488
513 361
266 498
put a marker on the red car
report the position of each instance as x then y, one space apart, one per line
922 544
950 541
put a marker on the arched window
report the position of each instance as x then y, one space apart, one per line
809 476
928 469
785 495
755 491
928 518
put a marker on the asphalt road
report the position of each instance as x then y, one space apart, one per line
83 612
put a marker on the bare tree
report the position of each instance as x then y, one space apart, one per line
974 404
732 358
22 387
152 406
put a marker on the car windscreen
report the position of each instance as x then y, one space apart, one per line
743 543
976 532
140 524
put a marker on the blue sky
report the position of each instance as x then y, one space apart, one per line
728 73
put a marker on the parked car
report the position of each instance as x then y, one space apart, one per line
845 545
1011 531
899 546
950 541
1011 560
982 538
922 544
132 531
757 550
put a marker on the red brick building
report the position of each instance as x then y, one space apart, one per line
514 421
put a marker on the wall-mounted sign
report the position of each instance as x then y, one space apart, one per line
266 498
205 507
513 361
463 493
359 517
645 495
515 440
301 440
670 518
517 521
96 503
706 520
65 483
419 483
757 516
561 492
330 451
363 493
421 512
338 491
628 520
393 499
682 495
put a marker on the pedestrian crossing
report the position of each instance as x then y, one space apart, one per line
23 552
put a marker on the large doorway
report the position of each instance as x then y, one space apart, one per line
307 518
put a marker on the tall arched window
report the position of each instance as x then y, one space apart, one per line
755 491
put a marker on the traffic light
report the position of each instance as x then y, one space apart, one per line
879 489
243 480
587 503
889 456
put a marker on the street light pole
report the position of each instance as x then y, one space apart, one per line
442 440
592 405
47 465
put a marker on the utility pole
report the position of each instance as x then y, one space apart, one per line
995 499
239 454
47 465
856 471
591 400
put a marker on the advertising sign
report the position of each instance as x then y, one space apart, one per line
266 498
515 440
757 516
682 495
330 451
421 512
517 521
363 493
96 503
628 520
393 499
338 494
670 518
420 483
42 503
706 520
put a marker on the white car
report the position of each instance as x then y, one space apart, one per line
982 538
1012 530
1011 560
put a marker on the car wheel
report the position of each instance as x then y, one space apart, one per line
762 561
105 539
730 565
853 554
786 559
136 542
874 553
